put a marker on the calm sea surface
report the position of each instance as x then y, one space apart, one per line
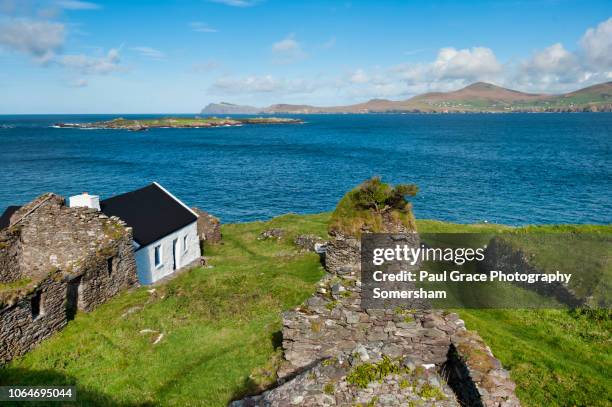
513 169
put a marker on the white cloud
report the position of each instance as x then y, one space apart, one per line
550 69
78 5
149 52
201 27
288 44
88 65
556 69
39 39
470 64
288 50
554 60
236 3
597 44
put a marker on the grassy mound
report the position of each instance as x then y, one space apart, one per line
373 206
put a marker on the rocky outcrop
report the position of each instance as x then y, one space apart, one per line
209 227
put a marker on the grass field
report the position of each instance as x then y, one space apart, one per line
221 328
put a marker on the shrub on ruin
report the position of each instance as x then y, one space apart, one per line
374 206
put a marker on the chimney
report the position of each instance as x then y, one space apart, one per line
85 201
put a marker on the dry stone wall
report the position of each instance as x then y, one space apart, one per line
10 253
343 255
475 375
21 329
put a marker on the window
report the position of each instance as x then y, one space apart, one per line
185 239
36 303
157 255
109 265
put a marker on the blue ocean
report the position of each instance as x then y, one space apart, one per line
512 169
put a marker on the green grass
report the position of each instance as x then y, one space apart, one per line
221 332
221 325
555 357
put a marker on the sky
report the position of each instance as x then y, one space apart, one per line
145 56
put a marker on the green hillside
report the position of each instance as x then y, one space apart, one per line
221 326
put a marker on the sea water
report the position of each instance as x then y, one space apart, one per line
502 168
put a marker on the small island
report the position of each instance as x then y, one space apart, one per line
177 122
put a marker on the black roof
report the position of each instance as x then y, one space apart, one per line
5 219
151 211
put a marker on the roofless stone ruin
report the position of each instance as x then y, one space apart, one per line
338 354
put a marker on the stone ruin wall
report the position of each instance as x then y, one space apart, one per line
330 334
77 259
209 227
10 253
20 331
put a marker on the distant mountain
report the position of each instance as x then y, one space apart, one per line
477 97
229 108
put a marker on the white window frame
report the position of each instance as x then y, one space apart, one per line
185 243
158 249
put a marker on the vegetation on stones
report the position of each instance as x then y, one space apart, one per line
372 403
366 373
427 391
315 326
9 292
370 206
329 388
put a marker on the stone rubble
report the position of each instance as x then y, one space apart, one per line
308 242
274 233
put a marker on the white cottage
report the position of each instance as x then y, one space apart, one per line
165 229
